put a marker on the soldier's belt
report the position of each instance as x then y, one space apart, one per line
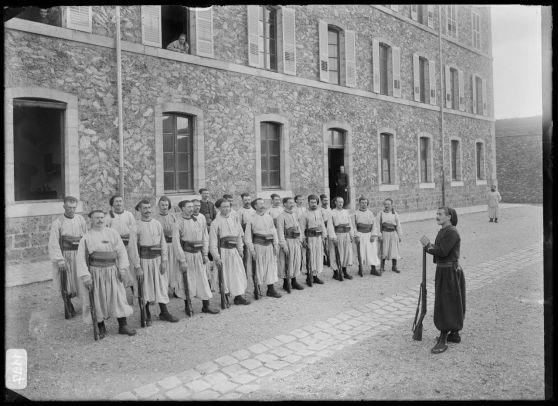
102 258
342 228
149 251
168 238
291 233
69 243
261 239
364 228
125 239
313 232
192 246
451 264
388 227
228 242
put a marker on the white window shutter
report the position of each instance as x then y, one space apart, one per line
78 18
350 58
474 80
416 77
289 41
322 31
414 11
376 65
253 47
396 65
430 20
432 80
461 90
448 87
151 25
204 32
484 100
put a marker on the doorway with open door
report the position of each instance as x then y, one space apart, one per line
338 178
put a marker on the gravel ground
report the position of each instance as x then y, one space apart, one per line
65 363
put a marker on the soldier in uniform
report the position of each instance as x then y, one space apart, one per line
290 243
244 213
329 251
191 244
366 233
390 229
313 226
207 208
276 209
150 260
102 264
341 233
209 265
65 233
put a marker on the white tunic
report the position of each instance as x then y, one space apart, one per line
493 199
368 248
168 222
244 215
390 239
338 217
290 253
266 261
125 224
315 219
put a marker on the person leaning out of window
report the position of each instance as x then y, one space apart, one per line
179 45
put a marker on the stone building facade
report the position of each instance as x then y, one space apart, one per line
519 160
268 99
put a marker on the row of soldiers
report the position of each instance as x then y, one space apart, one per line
167 254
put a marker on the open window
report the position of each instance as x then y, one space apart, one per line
337 55
386 67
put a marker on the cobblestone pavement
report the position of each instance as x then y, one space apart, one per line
244 371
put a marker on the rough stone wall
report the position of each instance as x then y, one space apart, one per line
519 167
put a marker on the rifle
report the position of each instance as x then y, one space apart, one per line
287 268
257 292
417 323
189 308
141 302
224 297
308 264
326 251
64 291
93 312
359 258
338 259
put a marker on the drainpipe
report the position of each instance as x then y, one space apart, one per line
119 97
442 100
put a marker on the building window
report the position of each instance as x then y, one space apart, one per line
38 149
480 161
420 13
475 24
178 159
267 37
455 160
333 54
384 68
270 155
453 92
425 159
174 21
479 94
336 138
451 18
423 78
50 16
387 158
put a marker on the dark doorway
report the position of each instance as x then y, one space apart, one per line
174 21
336 159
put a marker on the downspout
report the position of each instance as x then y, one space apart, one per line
119 97
442 100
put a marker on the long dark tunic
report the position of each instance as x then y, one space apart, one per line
449 300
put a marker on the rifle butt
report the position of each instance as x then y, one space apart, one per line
417 332
93 314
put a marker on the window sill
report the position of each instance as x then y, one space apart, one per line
388 188
38 209
481 182
427 185
456 183
266 194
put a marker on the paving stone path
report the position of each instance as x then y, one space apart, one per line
233 375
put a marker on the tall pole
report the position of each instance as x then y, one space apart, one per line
119 92
442 100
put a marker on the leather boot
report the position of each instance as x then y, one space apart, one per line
207 309
374 271
67 313
286 285
360 271
296 285
271 292
187 309
454 337
441 345
102 330
165 315
72 310
241 300
148 321
318 280
491 220
336 275
382 266
345 274
496 219
309 281
123 327
394 266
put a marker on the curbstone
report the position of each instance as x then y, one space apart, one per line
241 355
251 363
226 360
258 348
170 382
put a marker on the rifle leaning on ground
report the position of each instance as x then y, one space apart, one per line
287 269
417 323
189 309
92 308
308 264
338 259
141 302
257 291
224 296
64 291
359 257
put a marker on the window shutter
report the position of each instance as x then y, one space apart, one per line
414 11
448 87
396 64
253 47
204 32
151 25
376 65
322 31
461 90
350 58
474 86
432 80
430 20
78 18
484 100
416 77
289 41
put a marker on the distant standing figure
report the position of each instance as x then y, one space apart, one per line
390 235
179 45
342 184
493 199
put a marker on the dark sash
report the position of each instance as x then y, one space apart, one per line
125 239
313 232
149 251
168 238
364 228
342 228
192 246
102 259
228 242
69 243
388 227
292 233
261 239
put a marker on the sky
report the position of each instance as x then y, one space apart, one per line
516 48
